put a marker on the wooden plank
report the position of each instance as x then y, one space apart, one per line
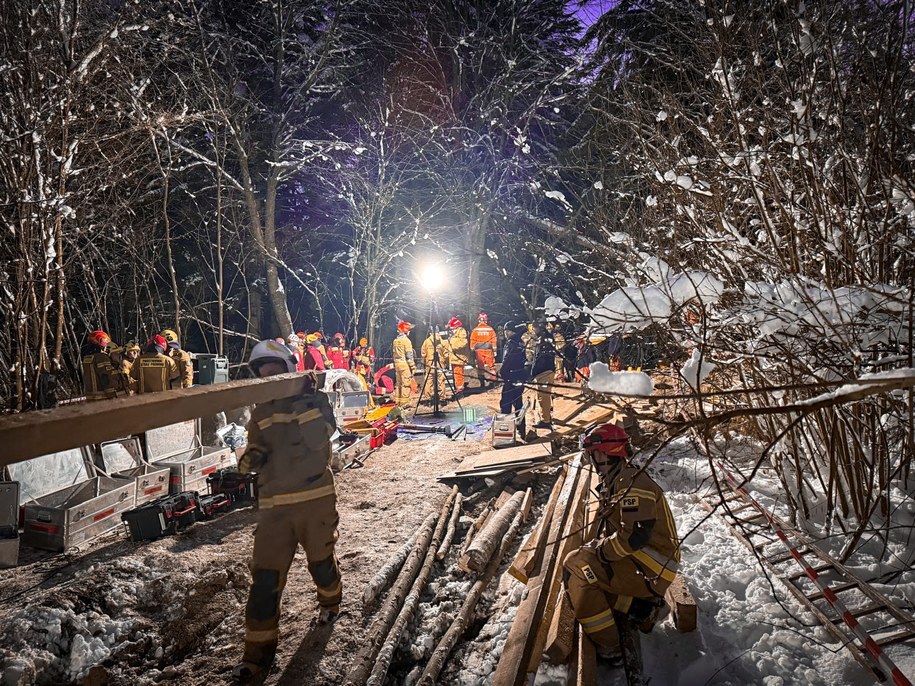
503 456
586 662
682 606
529 556
32 434
516 653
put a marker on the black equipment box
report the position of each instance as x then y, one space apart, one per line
162 517
240 487
212 369
211 505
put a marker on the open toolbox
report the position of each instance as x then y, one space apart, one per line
177 446
123 459
64 504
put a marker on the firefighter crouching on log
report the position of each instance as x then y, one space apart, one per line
289 449
622 574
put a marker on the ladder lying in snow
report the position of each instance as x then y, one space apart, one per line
823 582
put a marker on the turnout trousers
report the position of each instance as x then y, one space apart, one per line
280 530
458 371
486 366
596 594
403 389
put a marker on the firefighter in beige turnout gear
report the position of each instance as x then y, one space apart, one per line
289 449
622 574
404 364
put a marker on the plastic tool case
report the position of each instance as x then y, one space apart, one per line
123 459
177 446
162 516
64 504
238 487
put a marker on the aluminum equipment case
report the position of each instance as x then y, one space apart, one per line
123 459
504 431
9 523
177 446
64 504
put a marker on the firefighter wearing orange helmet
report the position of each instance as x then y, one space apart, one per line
621 574
404 364
155 371
98 372
484 344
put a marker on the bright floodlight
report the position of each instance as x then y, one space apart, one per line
432 277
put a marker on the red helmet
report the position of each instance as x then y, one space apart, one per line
609 439
404 326
159 342
483 318
99 338
454 323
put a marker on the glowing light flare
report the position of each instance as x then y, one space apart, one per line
432 277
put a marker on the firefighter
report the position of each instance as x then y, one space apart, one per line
544 372
289 450
181 357
131 353
622 574
363 359
335 352
460 352
120 381
484 344
323 350
97 368
293 343
313 350
559 345
434 342
155 371
514 372
404 364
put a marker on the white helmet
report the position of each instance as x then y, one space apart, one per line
293 339
271 351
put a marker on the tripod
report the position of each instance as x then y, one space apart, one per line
432 375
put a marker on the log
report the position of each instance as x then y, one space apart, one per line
487 541
465 615
478 524
682 606
386 575
586 661
529 556
387 615
386 654
631 645
452 526
516 653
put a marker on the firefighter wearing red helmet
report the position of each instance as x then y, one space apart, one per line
154 370
460 352
621 574
404 363
289 449
98 371
484 344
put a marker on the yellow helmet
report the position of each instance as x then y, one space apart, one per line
363 341
311 338
169 335
131 345
115 348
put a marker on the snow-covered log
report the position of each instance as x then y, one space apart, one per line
452 526
459 625
387 574
486 542
364 660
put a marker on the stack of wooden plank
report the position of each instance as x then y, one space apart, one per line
496 463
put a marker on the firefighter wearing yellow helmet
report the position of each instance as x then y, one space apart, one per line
182 358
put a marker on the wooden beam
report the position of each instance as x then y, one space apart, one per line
682 606
31 434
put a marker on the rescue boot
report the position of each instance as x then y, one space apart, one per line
646 612
328 615
255 664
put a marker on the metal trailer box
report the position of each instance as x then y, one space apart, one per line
344 455
177 447
123 459
76 514
503 431
9 523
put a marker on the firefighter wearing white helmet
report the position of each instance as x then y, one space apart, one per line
289 449
622 573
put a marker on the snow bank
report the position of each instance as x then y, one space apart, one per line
696 369
619 383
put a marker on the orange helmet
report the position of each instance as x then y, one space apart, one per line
301 334
363 341
99 338
404 326
483 318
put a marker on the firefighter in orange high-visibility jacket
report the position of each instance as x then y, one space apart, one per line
404 364
484 344
621 574
289 450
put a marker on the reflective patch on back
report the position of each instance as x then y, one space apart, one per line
590 576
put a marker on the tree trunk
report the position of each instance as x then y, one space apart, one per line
485 543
